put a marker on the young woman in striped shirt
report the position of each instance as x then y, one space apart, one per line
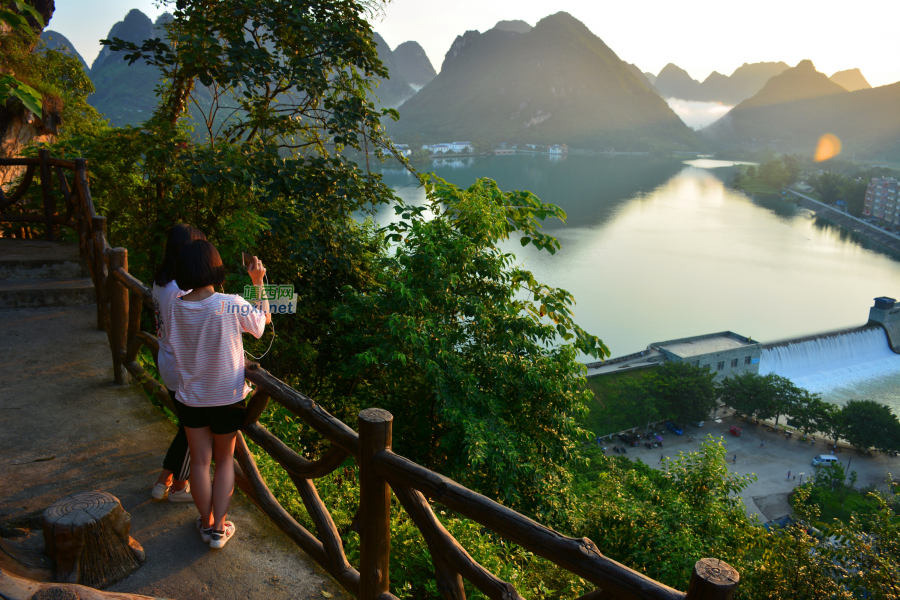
205 330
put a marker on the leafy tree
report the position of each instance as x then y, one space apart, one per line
661 523
748 393
682 391
774 173
789 563
751 171
636 403
871 425
853 191
484 384
781 394
833 423
828 185
808 413
792 167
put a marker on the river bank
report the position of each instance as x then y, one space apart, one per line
873 233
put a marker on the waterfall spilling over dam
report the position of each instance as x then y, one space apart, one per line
832 360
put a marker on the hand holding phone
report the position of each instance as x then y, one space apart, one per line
255 268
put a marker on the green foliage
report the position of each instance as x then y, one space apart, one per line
871 425
662 522
14 47
476 359
609 410
771 176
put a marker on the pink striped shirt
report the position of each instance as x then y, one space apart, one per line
205 337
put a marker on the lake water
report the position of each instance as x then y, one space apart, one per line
655 249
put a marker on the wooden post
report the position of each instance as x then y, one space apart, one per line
83 217
98 227
135 305
47 191
712 579
118 313
374 505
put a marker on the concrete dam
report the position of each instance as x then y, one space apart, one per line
818 363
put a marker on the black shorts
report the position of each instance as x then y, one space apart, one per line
219 419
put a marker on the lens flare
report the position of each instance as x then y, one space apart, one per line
829 147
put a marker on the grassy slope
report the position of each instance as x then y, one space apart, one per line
558 83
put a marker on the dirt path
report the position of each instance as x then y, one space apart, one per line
66 428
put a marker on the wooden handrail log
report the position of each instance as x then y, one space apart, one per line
444 546
577 556
32 218
5 200
134 285
314 415
141 339
84 190
256 405
27 161
289 460
338 565
252 484
598 595
151 385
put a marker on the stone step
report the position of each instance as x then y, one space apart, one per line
56 291
40 259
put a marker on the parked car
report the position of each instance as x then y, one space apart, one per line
631 440
674 427
698 423
825 460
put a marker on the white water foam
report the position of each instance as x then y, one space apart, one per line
834 363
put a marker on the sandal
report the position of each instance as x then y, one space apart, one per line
220 538
205 532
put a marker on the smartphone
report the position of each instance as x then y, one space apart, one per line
246 257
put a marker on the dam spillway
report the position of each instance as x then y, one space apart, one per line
832 361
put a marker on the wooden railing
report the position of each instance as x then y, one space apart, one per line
120 299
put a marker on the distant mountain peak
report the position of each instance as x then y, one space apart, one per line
413 63
798 83
557 83
53 40
514 26
461 42
851 80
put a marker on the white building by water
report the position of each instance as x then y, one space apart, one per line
448 147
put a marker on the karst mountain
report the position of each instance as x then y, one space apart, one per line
552 84
745 82
797 107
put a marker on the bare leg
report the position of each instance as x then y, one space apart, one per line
165 477
200 441
223 485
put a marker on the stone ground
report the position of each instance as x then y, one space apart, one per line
767 496
66 427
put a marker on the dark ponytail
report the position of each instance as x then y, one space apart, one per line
179 235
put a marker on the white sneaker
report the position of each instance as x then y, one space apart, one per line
205 532
181 495
218 539
159 491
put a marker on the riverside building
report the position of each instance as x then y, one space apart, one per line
883 200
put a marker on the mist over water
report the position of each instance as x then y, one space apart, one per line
698 114
657 249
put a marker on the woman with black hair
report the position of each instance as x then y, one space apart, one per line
205 334
177 464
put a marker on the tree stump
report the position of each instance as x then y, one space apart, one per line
87 534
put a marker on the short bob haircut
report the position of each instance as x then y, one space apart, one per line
198 265
178 236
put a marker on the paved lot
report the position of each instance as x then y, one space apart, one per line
767 496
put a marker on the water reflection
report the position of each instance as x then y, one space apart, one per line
655 249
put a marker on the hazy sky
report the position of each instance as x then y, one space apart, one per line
700 36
